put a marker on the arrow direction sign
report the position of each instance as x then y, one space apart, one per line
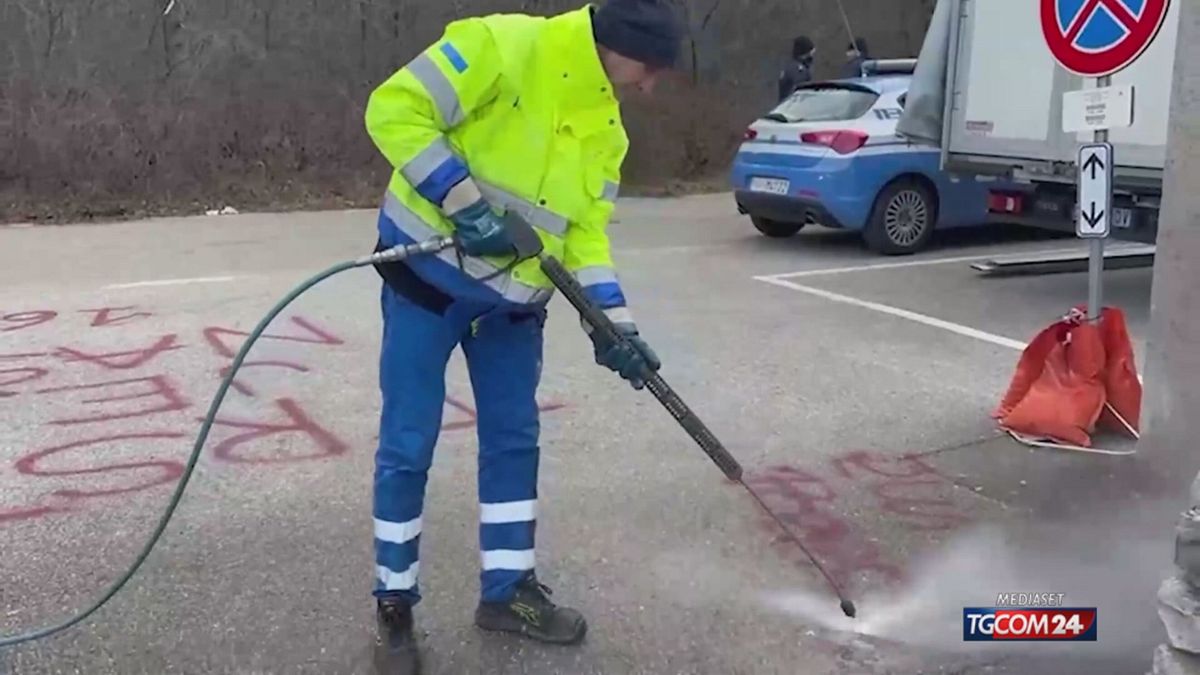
1095 190
1091 164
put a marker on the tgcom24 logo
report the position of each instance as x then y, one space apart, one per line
1030 617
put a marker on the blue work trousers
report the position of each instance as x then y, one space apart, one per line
504 355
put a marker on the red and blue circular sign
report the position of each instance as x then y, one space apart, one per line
1096 38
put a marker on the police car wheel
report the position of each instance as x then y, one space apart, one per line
902 219
776 228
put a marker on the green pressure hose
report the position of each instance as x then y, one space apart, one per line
528 245
399 253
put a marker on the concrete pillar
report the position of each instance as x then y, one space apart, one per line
1168 661
1172 393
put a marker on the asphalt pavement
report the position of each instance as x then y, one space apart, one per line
855 390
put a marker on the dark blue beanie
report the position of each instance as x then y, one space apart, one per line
644 30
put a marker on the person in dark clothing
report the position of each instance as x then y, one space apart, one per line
799 68
856 54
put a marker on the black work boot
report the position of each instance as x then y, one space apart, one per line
530 613
395 639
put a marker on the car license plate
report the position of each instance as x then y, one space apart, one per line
1122 218
776 186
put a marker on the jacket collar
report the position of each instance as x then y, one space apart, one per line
572 51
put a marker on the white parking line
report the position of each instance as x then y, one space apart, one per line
967 331
169 282
912 263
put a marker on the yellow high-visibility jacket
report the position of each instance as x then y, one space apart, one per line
523 104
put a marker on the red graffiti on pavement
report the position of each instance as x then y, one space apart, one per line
907 487
105 315
101 316
161 387
167 470
297 421
326 442
28 513
13 376
23 320
471 420
146 406
134 358
806 503
473 416
247 391
315 336
910 492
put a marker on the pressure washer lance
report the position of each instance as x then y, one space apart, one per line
529 245
708 442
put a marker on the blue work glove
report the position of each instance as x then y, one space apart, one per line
481 231
631 360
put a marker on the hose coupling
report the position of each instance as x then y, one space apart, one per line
396 253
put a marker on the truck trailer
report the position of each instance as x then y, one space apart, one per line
989 93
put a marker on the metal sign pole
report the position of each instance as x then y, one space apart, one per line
1100 110
1096 245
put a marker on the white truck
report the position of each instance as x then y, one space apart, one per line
989 93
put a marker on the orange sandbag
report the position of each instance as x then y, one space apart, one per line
1065 400
1122 389
1029 367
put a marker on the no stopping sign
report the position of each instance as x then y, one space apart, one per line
1096 38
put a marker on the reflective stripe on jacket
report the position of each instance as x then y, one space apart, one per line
524 102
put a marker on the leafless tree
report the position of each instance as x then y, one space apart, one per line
120 107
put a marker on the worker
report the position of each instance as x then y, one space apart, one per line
798 70
506 112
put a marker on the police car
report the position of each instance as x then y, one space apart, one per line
830 155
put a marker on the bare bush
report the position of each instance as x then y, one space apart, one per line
114 108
